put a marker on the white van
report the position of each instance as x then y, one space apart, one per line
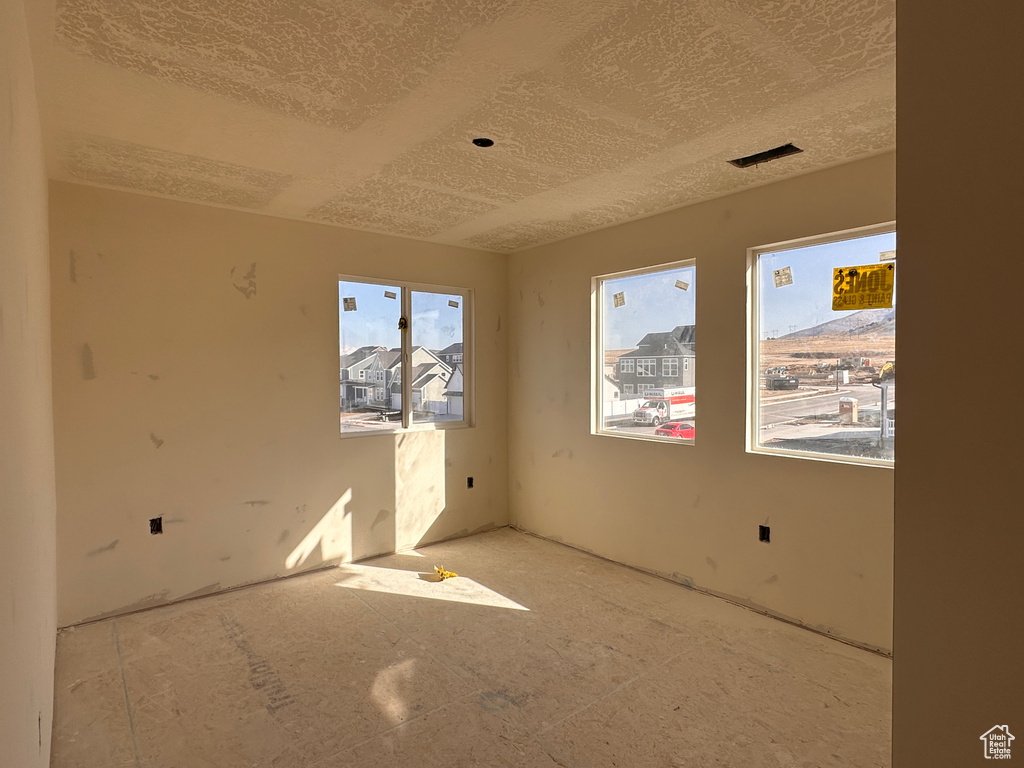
663 405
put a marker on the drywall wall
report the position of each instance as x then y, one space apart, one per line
27 558
692 512
959 617
196 379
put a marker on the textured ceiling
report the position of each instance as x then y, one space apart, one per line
361 113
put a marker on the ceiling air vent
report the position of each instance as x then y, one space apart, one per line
764 157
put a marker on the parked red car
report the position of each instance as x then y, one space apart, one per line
681 429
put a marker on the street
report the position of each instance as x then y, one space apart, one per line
869 398
795 406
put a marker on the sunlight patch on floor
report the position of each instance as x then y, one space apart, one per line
412 584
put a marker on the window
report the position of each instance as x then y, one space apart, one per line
397 332
457 358
643 324
646 366
823 340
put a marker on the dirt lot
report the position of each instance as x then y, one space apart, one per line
802 356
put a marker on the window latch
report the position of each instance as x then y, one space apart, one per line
402 323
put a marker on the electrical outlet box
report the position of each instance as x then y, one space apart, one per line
156 525
764 533
469 482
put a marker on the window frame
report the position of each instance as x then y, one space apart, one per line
468 364
754 367
665 361
649 363
598 296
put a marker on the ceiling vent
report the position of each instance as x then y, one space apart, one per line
764 157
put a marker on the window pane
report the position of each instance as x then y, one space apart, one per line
825 379
370 343
438 370
649 345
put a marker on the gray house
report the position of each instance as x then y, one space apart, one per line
660 360
451 355
355 388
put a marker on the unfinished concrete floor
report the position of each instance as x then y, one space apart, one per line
537 655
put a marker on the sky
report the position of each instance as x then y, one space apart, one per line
808 301
435 324
653 304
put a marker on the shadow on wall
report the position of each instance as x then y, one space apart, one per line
352 529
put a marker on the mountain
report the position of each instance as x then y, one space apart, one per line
867 321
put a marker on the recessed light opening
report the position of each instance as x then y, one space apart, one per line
766 156
483 142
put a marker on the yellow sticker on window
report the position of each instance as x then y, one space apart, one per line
866 287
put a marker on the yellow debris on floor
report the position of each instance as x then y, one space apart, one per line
443 574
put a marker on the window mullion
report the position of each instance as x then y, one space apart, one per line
406 364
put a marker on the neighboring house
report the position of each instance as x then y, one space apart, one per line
611 360
660 360
428 384
355 390
611 388
379 377
451 355
453 393
429 378
372 377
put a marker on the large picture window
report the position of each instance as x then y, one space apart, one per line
822 373
646 367
414 343
644 325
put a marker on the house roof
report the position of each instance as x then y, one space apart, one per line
389 358
422 373
362 114
358 355
680 341
451 349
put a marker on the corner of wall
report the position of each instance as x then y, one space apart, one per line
27 494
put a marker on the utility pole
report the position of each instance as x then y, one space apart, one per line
885 413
